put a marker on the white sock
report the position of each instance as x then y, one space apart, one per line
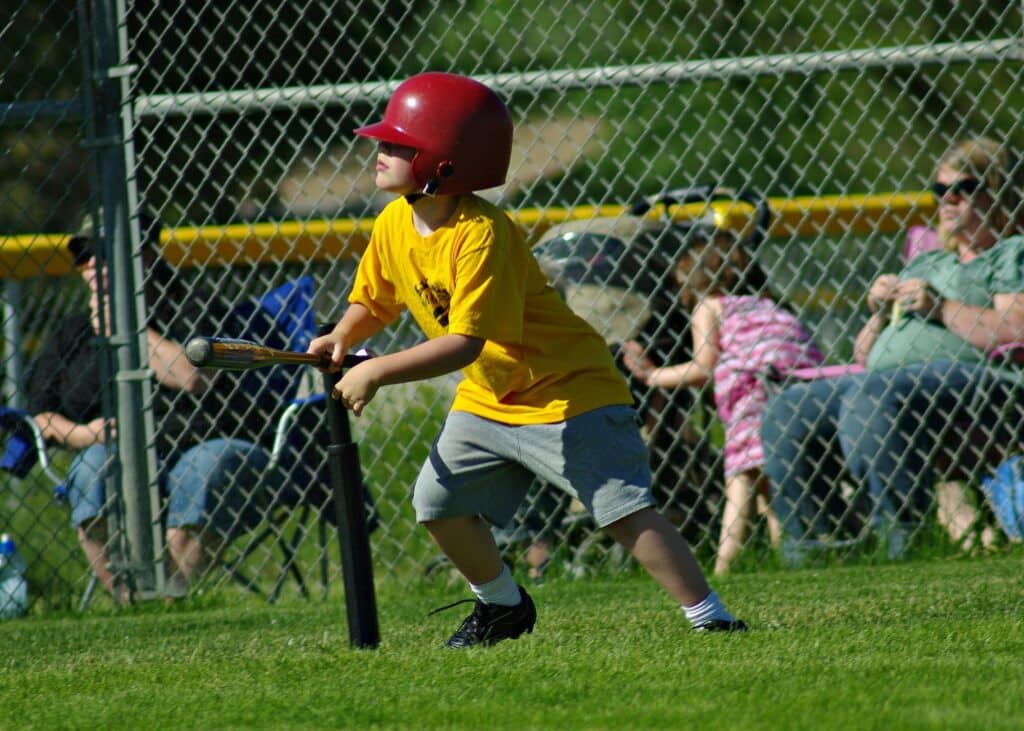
502 590
709 608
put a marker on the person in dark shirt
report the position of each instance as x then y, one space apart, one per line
212 471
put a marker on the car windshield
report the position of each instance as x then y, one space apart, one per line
580 258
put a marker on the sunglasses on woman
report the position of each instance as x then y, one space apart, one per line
960 188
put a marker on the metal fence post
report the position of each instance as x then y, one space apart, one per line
13 362
114 126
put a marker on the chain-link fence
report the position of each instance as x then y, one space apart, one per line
789 143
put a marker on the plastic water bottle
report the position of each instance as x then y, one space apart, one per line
13 587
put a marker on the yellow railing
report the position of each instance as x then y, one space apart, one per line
33 255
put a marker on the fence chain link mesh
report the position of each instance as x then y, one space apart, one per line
237 138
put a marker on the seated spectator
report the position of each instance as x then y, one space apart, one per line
925 349
738 335
956 511
206 477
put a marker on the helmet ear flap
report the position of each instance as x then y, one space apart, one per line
445 169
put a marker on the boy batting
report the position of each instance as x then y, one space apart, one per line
540 394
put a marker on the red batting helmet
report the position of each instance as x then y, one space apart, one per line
461 130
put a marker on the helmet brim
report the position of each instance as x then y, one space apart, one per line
388 133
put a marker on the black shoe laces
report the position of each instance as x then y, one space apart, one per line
474 626
453 604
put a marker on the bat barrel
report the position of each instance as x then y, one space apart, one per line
241 355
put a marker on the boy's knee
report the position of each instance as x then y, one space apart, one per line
627 528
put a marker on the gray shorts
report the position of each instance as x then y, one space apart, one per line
482 467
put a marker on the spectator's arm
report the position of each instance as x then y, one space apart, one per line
868 335
704 327
171 367
60 429
986 327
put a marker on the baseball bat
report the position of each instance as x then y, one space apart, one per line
232 354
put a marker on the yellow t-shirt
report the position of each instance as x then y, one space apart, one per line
476 276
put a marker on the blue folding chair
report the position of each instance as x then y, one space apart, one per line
24 447
284 318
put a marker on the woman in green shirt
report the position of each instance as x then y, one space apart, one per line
925 350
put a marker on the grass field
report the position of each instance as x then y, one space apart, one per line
935 644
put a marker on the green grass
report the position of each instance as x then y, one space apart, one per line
918 645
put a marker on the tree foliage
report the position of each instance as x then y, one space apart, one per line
836 129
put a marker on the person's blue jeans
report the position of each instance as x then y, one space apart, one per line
222 483
884 426
85 482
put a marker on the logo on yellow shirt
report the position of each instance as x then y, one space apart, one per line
436 299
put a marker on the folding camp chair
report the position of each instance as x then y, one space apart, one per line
301 438
284 318
24 448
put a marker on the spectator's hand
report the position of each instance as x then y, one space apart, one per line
331 344
357 387
636 361
917 296
98 427
93 432
882 292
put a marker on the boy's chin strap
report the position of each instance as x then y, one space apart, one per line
431 187
411 198
444 170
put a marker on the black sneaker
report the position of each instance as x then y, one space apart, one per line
721 625
492 623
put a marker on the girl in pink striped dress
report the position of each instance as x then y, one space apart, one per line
739 334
